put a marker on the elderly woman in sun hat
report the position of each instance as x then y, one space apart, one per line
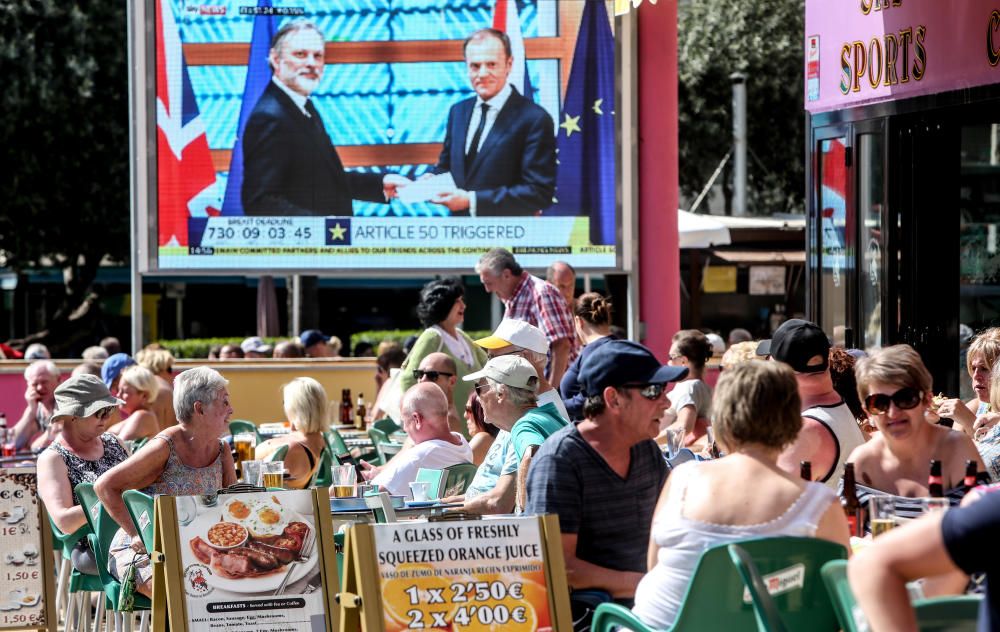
80 454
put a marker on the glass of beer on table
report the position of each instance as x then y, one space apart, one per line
244 442
273 474
343 480
882 512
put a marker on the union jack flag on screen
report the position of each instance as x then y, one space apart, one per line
186 180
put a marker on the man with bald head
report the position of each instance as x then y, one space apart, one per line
424 414
33 429
563 276
440 369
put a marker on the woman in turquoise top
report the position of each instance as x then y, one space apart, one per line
441 311
189 459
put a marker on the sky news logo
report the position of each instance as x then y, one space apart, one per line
207 9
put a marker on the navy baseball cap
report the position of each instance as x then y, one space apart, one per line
113 367
621 362
309 337
797 343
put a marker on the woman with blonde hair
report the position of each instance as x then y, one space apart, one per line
982 355
161 363
895 389
744 495
307 408
138 388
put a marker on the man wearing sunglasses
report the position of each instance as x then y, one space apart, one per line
829 432
603 475
440 369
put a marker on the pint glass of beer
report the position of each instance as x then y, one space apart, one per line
273 474
244 442
343 480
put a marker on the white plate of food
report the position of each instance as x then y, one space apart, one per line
249 544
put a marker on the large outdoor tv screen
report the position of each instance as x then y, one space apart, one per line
382 135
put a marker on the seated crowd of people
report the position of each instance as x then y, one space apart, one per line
562 416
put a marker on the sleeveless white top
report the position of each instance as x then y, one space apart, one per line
838 420
682 541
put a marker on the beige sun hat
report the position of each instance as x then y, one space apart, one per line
82 396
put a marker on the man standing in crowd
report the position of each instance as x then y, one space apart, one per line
33 429
254 347
563 277
528 298
290 165
608 456
425 420
829 432
439 368
506 387
526 340
499 147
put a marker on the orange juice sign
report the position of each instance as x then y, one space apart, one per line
474 575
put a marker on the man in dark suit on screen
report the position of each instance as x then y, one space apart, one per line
290 166
500 146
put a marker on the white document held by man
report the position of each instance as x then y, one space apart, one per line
426 189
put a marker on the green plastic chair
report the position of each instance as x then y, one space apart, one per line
381 506
71 581
278 455
135 444
379 438
387 425
435 481
323 476
336 442
959 613
458 478
139 505
103 529
237 426
768 619
715 597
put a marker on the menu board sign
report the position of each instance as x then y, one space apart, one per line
474 575
251 561
24 561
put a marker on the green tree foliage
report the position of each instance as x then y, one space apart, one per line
764 40
64 137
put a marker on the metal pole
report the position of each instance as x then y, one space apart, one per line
296 319
739 143
136 64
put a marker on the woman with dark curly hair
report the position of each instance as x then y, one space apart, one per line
690 409
441 311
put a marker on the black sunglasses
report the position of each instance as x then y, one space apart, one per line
651 392
904 399
481 388
431 375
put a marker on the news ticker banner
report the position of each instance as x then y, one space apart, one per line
382 243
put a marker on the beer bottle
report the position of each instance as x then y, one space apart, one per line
360 412
935 482
346 410
850 504
3 428
806 470
970 476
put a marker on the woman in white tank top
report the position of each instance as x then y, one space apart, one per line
744 495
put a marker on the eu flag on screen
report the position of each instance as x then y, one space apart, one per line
585 183
258 76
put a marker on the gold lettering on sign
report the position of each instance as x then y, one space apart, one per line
891 51
919 54
859 65
875 67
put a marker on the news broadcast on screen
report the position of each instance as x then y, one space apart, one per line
381 135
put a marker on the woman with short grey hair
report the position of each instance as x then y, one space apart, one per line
189 459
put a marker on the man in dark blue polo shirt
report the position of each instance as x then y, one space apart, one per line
603 475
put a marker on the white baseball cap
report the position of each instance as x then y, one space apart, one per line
518 333
512 370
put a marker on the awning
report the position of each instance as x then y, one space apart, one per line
701 231
779 257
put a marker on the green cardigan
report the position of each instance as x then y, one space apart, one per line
431 341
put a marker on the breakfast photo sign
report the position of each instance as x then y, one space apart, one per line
253 560
26 558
